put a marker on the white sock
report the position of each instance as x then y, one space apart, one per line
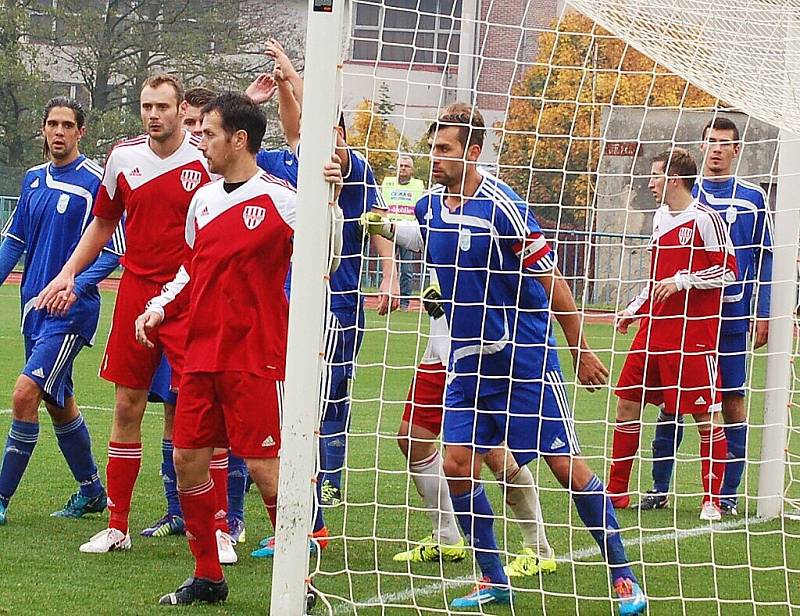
432 487
523 499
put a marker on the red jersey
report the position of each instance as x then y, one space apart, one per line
154 194
241 247
693 249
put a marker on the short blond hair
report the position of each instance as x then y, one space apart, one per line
157 79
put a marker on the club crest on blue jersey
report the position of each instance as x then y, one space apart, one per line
730 214
465 239
685 236
190 179
253 215
63 202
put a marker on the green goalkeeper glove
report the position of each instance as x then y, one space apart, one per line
374 224
432 300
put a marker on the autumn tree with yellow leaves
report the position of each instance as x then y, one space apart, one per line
551 141
374 134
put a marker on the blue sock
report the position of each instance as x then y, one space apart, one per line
669 434
319 516
21 440
170 479
237 480
476 518
595 509
334 439
736 436
76 445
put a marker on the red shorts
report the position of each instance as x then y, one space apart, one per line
128 363
686 383
426 398
239 410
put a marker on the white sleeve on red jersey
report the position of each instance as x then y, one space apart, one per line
717 243
284 198
108 203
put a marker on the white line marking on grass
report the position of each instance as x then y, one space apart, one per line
87 407
404 596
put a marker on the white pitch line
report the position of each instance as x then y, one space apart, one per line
404 596
86 407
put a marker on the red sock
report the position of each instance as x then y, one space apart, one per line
124 461
219 474
198 504
713 454
272 508
623 450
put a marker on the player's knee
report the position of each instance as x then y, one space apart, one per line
627 410
25 399
189 467
128 410
457 467
264 474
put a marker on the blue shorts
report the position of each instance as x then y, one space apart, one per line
48 362
160 390
344 332
536 420
733 362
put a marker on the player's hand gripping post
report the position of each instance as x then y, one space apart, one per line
146 323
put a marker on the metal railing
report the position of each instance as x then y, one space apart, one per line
7 205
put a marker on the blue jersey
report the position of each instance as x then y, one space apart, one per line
281 163
743 207
54 209
359 195
486 255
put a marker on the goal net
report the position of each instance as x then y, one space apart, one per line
577 100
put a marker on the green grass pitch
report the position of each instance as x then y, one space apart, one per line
741 568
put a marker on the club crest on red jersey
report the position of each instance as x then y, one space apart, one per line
253 216
684 235
190 179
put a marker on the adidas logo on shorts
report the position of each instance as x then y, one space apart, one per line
268 442
557 444
38 372
700 400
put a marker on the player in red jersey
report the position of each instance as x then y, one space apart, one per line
151 179
673 359
239 231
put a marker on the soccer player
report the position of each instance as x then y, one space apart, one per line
500 285
151 179
194 99
53 212
743 207
672 362
345 326
171 523
239 231
420 427
401 193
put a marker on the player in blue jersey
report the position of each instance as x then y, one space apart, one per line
54 209
500 285
743 206
345 321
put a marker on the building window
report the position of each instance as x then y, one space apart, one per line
408 31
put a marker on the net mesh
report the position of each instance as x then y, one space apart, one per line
577 104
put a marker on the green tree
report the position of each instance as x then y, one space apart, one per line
22 97
374 134
551 142
116 44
